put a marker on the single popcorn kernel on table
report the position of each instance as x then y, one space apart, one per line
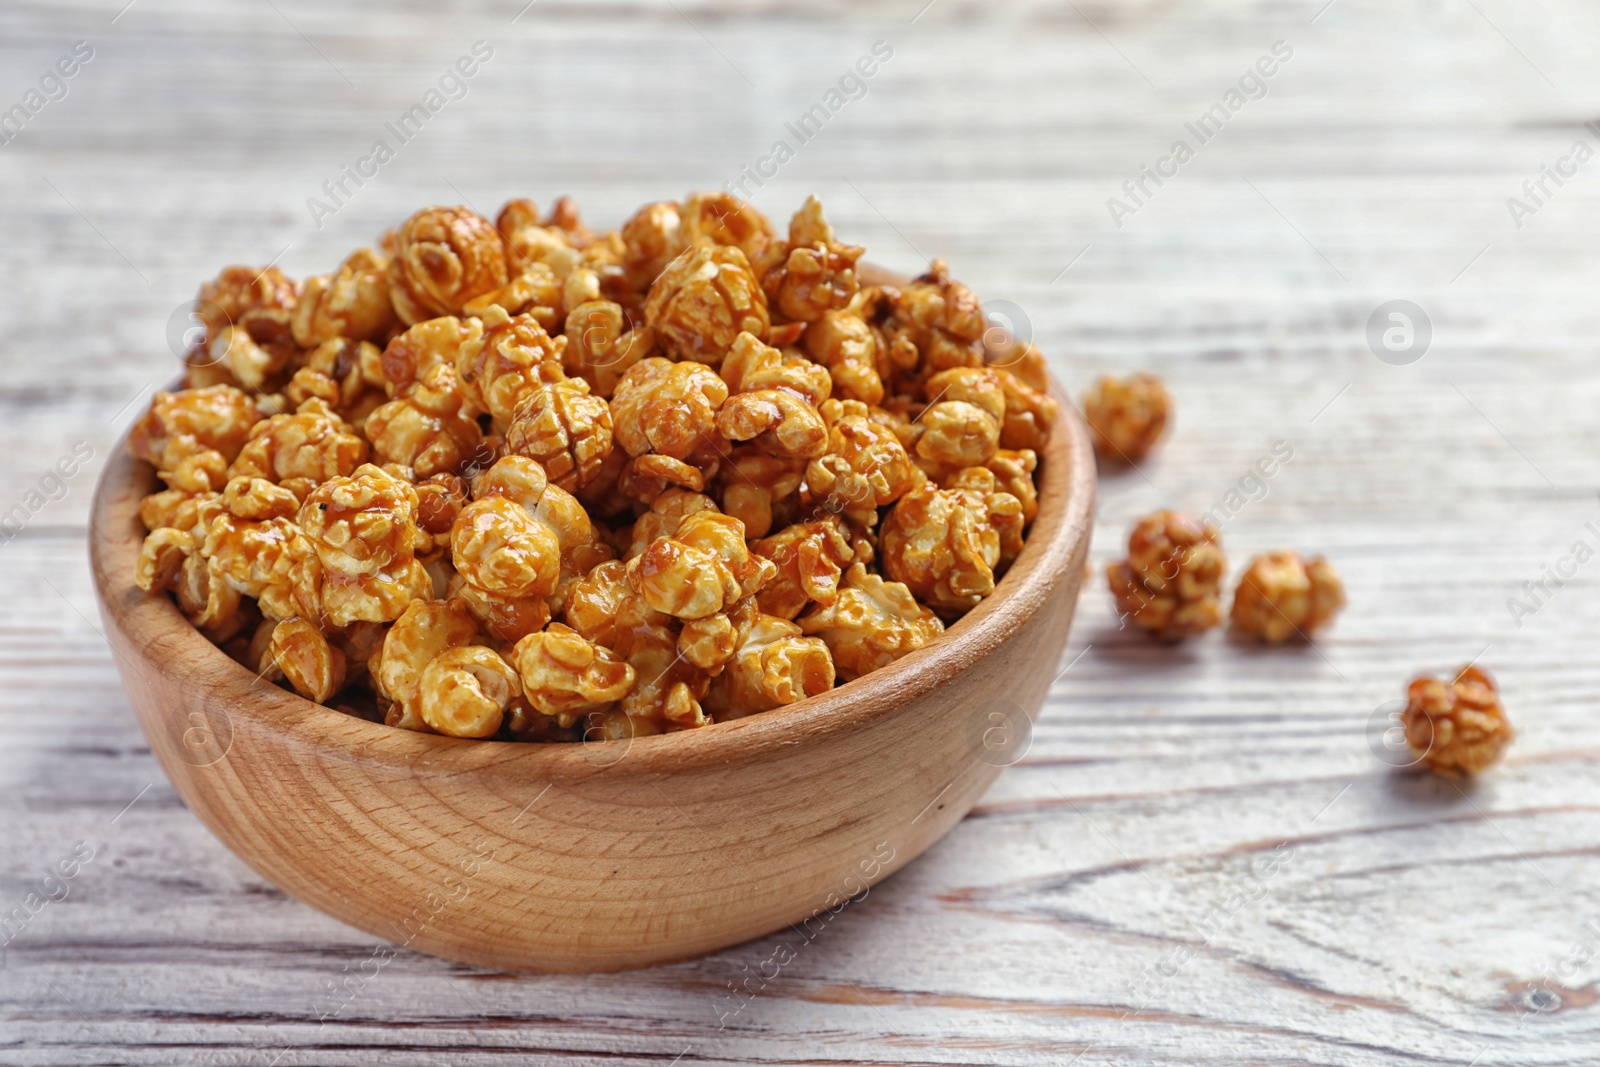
1170 582
529 481
1456 727
1127 416
1282 596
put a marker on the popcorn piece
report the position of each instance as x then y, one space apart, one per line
1029 414
701 568
772 399
206 598
443 257
246 297
364 535
1127 416
351 303
251 364
665 514
300 651
566 676
871 623
810 557
652 237
1458 727
703 300
532 242
440 499
425 427
161 558
301 450
939 319
945 544
961 425
601 345
1282 596
537 293
847 345
759 489
191 436
669 409
565 429
724 219
464 692
424 346
426 629
1170 582
772 665
513 358
819 274
866 465
500 549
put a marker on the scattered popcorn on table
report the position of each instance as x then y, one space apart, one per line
1282 596
1170 583
1127 416
1456 727
520 480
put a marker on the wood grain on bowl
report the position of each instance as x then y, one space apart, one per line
602 856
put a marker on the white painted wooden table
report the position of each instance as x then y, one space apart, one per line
1201 859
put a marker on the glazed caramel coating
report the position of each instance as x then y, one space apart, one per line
352 303
423 631
443 258
1127 416
539 482
945 544
465 691
865 466
566 676
192 435
1281 596
425 427
871 623
772 399
243 296
500 549
427 344
703 300
703 567
759 489
308 447
818 273
303 655
514 357
567 430
602 346
669 409
1457 727
772 664
1170 582
810 557
847 345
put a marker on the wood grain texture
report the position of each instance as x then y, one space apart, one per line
602 856
1081 910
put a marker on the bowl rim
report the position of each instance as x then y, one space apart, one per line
167 644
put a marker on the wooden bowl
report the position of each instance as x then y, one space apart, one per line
601 856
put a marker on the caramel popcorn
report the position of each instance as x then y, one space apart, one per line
1457 727
537 482
512 358
772 399
443 258
945 544
1126 416
1170 582
567 430
871 623
703 300
353 303
425 427
246 297
771 664
1282 596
